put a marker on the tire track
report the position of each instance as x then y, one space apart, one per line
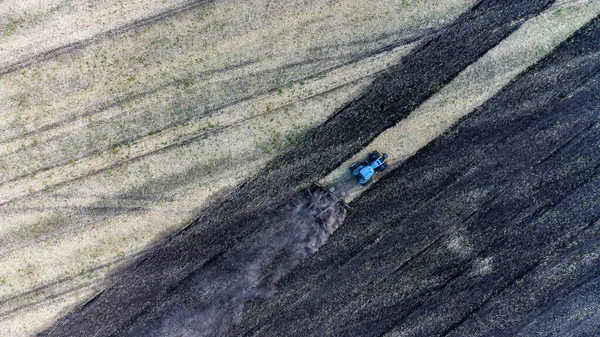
77 225
173 128
129 159
66 229
102 107
49 198
75 46
195 117
304 97
96 213
32 297
332 137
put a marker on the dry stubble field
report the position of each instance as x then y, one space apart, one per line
121 119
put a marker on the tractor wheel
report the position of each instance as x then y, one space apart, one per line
367 183
354 166
374 155
381 168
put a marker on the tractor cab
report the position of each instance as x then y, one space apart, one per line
364 171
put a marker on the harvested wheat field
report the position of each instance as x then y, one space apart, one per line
157 161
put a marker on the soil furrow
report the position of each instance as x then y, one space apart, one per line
472 34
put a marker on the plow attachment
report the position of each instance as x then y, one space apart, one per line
322 203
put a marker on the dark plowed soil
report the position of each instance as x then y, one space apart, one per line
490 230
493 230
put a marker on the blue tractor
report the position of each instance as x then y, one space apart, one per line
364 171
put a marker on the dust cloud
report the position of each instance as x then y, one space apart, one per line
252 268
